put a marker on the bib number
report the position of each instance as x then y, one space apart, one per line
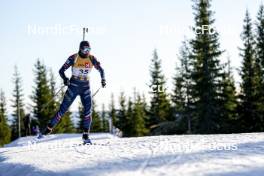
84 71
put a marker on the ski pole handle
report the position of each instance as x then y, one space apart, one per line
84 31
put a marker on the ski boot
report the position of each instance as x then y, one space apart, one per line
86 139
46 131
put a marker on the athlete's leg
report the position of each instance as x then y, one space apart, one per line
69 97
87 104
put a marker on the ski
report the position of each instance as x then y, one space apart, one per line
94 143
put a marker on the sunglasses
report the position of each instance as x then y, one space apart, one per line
86 49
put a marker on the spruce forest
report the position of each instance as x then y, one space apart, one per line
205 98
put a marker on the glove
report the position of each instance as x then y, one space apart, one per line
103 83
66 81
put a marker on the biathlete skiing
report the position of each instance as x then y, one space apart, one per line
82 64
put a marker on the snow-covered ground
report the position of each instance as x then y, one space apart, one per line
222 155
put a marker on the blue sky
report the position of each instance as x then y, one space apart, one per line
122 34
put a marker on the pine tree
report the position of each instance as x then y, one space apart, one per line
260 39
206 72
160 105
54 103
5 132
248 110
112 114
181 97
229 119
146 110
42 95
96 124
138 122
260 66
18 105
178 96
52 85
105 122
130 118
122 122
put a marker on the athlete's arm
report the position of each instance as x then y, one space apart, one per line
98 67
65 66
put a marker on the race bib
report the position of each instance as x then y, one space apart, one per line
82 67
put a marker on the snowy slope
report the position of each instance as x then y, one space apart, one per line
236 154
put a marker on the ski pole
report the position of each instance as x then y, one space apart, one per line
44 107
59 92
96 92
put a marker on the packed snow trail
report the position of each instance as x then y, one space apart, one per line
191 155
